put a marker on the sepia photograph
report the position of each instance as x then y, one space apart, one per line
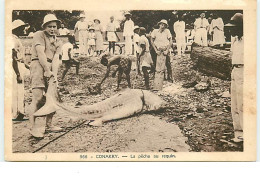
127 84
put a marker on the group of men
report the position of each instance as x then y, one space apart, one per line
46 50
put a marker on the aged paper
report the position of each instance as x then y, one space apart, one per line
195 124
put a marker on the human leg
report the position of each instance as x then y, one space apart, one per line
146 77
237 102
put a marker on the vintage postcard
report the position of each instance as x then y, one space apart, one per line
132 80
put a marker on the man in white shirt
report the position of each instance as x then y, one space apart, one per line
237 79
128 33
63 30
201 27
179 29
161 40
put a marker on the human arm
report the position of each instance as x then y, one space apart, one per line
75 28
15 66
117 36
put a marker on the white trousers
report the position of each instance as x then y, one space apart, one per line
128 45
18 92
83 42
237 98
181 44
201 37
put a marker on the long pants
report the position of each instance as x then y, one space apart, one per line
159 72
128 45
237 99
83 42
18 92
201 37
181 44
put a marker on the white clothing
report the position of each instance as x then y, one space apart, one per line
201 23
201 37
128 28
111 28
238 51
65 51
201 31
217 26
136 41
91 38
83 41
179 29
161 38
81 25
64 31
128 45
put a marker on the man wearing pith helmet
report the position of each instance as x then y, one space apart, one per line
19 64
45 58
237 50
161 40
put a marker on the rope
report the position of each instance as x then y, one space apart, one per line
58 137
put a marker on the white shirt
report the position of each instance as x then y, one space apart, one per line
81 25
64 31
128 28
201 23
238 51
179 28
65 50
144 41
161 38
219 23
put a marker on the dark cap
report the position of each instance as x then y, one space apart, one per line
236 20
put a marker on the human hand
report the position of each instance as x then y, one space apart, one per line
19 79
165 52
27 66
48 74
158 52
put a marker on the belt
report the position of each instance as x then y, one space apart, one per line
48 60
237 66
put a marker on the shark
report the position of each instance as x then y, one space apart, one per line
126 103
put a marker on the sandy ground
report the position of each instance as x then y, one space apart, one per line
194 121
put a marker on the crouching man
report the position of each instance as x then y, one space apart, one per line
124 64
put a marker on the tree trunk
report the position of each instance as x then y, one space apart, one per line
213 62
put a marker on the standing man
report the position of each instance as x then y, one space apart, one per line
82 27
19 64
218 31
111 35
128 33
237 79
179 29
63 30
201 27
45 58
161 41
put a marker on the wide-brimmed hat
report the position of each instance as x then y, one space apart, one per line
236 20
96 20
163 21
136 27
82 16
127 13
49 18
18 23
142 29
91 28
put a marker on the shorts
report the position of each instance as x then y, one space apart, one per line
111 37
38 80
146 60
